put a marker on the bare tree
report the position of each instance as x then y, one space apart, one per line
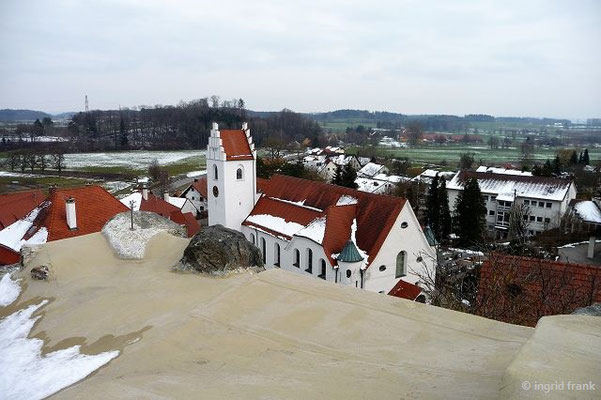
518 222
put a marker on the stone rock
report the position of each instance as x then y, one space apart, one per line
40 273
131 244
593 309
220 251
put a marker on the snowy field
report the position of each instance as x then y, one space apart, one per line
26 373
139 159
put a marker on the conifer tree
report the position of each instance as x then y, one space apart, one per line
445 213
433 207
574 158
585 158
547 169
349 175
557 165
337 180
470 214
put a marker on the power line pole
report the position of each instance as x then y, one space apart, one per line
86 102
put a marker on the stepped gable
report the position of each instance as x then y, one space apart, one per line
375 214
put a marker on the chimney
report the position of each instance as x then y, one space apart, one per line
71 215
145 192
166 196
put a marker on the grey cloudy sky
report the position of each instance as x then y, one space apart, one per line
520 58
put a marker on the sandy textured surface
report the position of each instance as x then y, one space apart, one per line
271 335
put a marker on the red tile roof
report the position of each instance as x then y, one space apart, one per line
15 206
520 290
167 210
375 214
94 206
405 290
235 144
8 256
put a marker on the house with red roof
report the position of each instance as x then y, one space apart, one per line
521 290
145 201
63 214
312 228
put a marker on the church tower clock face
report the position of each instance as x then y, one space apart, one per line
215 191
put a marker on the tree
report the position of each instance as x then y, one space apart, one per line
574 158
466 160
433 207
557 165
337 180
518 222
58 161
527 149
123 133
585 158
154 170
445 212
37 129
415 132
349 175
274 145
547 169
470 214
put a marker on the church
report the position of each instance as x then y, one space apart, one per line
369 241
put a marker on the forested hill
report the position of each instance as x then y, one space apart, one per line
7 115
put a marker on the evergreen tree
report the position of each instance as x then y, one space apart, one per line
445 213
470 214
574 158
585 158
349 175
547 169
557 165
580 158
337 180
123 133
433 207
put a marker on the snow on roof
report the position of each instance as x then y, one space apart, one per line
276 224
12 236
511 186
194 174
354 240
371 169
300 203
431 173
315 230
135 197
504 171
588 211
177 201
346 200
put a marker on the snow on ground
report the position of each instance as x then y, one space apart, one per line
26 374
135 197
139 159
588 211
276 224
195 174
315 230
115 186
9 290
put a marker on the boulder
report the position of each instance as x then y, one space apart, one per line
40 273
220 251
593 310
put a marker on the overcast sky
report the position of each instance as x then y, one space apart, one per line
505 58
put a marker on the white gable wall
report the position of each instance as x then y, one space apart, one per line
411 240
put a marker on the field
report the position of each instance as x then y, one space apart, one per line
451 154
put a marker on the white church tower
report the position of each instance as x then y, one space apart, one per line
231 176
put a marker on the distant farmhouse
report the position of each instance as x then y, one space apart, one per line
546 199
315 229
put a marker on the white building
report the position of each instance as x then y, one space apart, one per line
546 199
313 228
196 193
371 169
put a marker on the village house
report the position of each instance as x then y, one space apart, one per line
372 169
545 199
312 228
63 214
196 193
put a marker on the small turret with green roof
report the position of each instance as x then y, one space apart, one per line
349 253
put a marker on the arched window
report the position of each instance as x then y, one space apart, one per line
309 261
215 172
239 173
322 269
252 238
296 258
348 273
276 254
401 264
264 250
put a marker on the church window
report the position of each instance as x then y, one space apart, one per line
404 224
401 266
276 254
322 272
296 258
309 261
264 250
252 238
348 273
215 173
239 173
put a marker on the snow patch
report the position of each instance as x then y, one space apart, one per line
354 239
276 224
194 174
136 198
346 200
12 235
26 374
9 290
315 230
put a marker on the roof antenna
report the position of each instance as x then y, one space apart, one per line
86 104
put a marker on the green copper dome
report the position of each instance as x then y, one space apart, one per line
349 253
